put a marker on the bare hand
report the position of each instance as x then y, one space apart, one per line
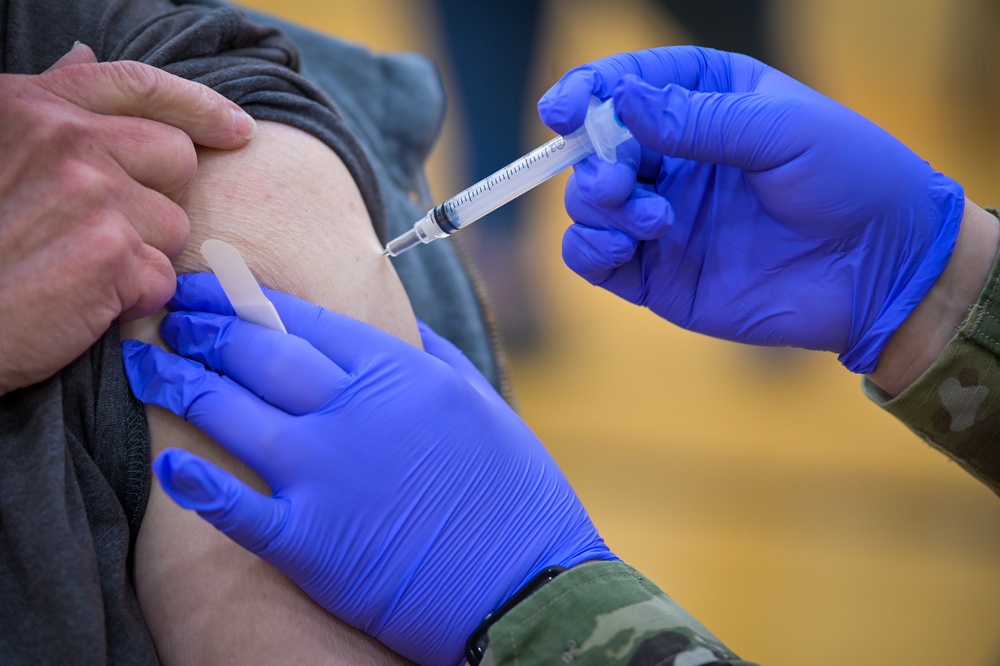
95 156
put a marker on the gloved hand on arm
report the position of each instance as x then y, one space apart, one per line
750 207
409 500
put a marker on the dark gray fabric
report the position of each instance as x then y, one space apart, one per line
74 453
74 450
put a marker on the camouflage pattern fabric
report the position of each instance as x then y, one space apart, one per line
603 613
955 405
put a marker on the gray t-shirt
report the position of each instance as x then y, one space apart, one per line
74 449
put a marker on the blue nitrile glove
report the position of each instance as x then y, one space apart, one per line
757 210
409 499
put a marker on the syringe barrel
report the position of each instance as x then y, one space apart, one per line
513 180
601 132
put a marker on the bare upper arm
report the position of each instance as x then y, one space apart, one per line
290 206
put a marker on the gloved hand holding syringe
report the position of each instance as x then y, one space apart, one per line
601 133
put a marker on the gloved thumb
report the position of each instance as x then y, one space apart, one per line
250 519
564 107
729 129
444 350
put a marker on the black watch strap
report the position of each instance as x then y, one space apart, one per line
475 648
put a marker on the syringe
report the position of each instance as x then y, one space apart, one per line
601 133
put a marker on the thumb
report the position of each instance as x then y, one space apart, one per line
730 129
128 88
564 107
80 54
444 350
247 517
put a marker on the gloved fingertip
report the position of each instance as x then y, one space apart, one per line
160 378
631 89
188 480
593 253
643 109
131 344
606 184
139 368
200 292
440 347
563 107
430 338
651 217
425 330
194 334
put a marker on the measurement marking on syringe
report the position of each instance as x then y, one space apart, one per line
601 133
543 153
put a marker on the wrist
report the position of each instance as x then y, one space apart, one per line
924 334
478 641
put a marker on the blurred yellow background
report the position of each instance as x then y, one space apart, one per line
761 490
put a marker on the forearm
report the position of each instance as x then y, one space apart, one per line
952 403
921 338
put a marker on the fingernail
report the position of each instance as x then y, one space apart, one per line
243 124
76 44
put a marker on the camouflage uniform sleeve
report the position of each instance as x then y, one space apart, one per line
603 613
955 404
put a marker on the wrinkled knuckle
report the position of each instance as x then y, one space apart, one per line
172 157
644 221
111 240
202 106
160 287
185 159
582 209
61 133
175 230
206 104
181 226
576 209
142 83
80 182
163 283
147 288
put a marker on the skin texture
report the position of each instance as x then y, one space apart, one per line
290 206
95 157
923 335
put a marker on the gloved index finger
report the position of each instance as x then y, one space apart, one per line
444 350
200 292
564 106
346 341
228 413
284 370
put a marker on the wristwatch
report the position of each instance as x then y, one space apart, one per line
475 648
